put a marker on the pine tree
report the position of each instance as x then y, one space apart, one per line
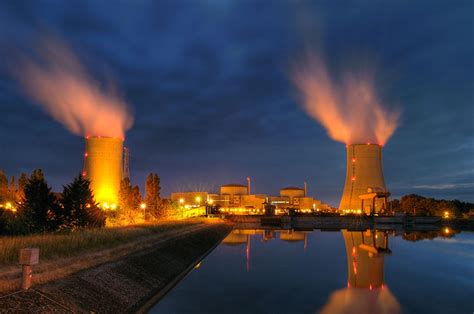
38 210
79 208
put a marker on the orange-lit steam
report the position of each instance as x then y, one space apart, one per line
63 88
350 111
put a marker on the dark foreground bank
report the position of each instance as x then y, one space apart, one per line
130 284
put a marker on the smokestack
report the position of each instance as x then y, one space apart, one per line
248 185
364 171
305 189
103 166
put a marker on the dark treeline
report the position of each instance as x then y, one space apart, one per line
414 204
30 206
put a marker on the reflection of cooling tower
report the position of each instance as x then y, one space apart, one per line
364 264
103 166
364 170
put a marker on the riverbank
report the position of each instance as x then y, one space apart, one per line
127 279
62 254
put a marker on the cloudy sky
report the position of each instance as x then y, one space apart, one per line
210 86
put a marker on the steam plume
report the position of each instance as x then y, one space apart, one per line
63 88
351 111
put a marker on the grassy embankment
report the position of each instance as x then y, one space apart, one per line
64 253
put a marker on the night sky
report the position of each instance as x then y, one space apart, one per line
210 86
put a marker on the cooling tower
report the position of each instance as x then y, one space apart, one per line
364 171
103 166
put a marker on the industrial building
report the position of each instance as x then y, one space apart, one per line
364 189
237 199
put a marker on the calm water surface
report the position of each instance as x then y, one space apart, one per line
256 271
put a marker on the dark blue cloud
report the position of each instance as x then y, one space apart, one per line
209 83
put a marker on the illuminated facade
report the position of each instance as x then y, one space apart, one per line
103 167
363 174
235 199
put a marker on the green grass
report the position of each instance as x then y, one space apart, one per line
54 245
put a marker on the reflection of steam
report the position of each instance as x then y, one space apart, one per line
360 300
351 112
72 97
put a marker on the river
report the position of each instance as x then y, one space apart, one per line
263 271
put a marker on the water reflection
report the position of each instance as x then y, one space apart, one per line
303 271
366 291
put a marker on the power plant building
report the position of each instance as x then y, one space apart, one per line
235 198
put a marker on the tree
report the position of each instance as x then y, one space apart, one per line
129 202
152 195
38 210
79 208
3 187
20 192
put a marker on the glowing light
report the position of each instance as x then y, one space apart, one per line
142 205
8 205
113 206
353 160
211 201
447 231
446 214
353 178
198 199
106 205
181 200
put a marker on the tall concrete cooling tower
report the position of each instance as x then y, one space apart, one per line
364 172
103 166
